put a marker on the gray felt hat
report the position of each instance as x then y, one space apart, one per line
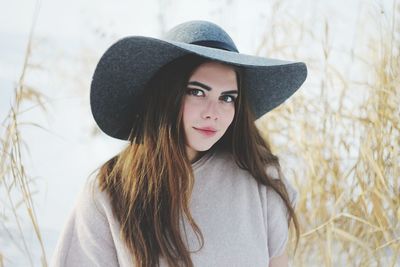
126 67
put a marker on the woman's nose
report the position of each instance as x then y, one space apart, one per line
210 110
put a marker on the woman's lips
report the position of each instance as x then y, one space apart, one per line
207 133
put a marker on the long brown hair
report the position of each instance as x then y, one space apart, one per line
151 180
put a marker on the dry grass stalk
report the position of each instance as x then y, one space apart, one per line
13 179
347 155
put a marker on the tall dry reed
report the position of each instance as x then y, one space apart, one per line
343 138
15 183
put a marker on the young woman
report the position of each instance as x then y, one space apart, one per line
196 185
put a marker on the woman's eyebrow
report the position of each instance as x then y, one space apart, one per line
208 88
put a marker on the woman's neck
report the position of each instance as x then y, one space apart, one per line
197 156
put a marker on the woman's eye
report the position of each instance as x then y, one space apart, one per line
195 92
228 98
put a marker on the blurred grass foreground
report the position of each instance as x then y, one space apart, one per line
342 132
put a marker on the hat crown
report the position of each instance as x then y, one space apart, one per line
202 33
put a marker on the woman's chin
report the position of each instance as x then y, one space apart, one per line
203 148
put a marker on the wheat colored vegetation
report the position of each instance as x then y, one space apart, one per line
348 154
14 181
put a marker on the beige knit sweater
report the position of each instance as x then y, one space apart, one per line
243 223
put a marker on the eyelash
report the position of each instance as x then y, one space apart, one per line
190 92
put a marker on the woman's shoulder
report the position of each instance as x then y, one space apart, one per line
272 195
92 199
88 235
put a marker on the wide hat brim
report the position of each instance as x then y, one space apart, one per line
125 68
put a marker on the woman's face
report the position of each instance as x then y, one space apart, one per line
208 106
